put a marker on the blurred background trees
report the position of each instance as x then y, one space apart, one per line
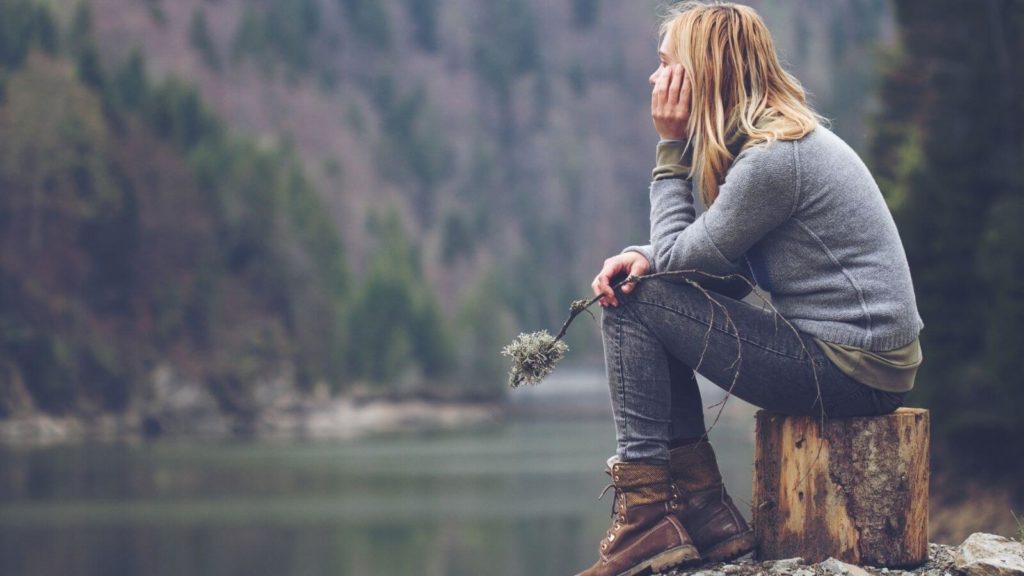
375 196
948 152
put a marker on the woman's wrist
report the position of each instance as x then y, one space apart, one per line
673 159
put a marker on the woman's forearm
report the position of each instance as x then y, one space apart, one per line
760 192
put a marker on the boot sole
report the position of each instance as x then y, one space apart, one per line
732 548
666 560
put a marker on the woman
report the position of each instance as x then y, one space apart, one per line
790 206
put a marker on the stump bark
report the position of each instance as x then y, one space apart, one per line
856 490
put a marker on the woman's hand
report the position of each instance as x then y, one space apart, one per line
632 263
670 102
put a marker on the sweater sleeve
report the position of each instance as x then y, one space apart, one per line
647 252
672 160
760 192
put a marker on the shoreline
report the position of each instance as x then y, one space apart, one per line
331 419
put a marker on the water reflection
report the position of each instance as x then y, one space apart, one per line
511 499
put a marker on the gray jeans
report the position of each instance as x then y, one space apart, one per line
655 337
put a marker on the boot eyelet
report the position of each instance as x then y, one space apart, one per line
604 546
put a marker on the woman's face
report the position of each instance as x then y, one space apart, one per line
664 60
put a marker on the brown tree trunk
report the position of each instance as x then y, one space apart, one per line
857 492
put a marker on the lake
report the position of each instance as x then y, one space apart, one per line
513 498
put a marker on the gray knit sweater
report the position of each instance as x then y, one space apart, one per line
806 219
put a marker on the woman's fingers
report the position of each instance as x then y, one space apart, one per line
602 284
660 93
634 263
670 103
668 88
639 267
676 76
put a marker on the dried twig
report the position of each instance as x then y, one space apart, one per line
535 355
805 353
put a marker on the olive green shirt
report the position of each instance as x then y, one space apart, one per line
892 370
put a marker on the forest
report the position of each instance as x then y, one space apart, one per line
146 221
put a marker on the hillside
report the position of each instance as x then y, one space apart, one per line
343 195
512 138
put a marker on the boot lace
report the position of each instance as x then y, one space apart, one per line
616 509
615 498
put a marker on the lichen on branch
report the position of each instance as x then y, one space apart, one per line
534 356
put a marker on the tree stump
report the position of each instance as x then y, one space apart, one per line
857 492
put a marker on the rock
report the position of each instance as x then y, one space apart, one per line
173 404
839 568
940 557
785 566
990 555
39 429
939 563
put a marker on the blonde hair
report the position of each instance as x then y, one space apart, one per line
738 85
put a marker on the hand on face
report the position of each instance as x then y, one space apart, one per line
670 101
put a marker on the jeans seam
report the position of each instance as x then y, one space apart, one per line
621 380
726 332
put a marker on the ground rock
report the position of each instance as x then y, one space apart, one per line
785 566
740 567
38 429
990 555
835 567
709 573
940 563
171 403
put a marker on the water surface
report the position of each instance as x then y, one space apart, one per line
518 498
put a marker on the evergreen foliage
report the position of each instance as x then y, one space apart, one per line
147 233
424 18
63 215
508 47
585 13
24 26
138 230
157 12
458 239
483 324
370 22
130 88
199 36
394 323
273 31
413 149
949 158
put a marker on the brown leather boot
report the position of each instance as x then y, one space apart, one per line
646 534
706 510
